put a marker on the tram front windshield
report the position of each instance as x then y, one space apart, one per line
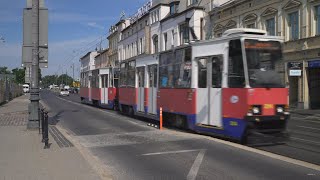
264 63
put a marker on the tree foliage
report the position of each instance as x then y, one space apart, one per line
53 79
20 75
4 70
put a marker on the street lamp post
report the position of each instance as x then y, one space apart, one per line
34 93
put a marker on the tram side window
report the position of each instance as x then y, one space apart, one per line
131 80
217 66
103 82
95 79
123 75
202 76
106 81
175 69
236 77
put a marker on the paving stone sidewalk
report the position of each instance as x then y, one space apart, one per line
22 156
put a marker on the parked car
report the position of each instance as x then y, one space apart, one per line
64 92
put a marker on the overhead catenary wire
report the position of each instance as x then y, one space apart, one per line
78 52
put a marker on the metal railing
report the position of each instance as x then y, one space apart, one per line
44 127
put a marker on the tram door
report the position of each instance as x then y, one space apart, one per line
89 86
104 88
209 103
140 73
152 90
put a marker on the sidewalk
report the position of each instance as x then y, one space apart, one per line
307 112
22 156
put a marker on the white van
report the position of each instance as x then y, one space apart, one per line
26 88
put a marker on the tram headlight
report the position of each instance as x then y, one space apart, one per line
256 110
280 110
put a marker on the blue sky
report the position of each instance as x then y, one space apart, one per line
73 24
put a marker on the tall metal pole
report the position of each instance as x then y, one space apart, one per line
72 74
34 93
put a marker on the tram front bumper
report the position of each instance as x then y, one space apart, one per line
267 129
267 124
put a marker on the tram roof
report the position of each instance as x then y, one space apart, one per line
238 36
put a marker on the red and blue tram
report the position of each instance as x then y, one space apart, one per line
231 86
99 87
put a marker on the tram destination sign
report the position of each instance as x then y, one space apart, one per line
141 12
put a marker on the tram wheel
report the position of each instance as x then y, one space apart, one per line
180 122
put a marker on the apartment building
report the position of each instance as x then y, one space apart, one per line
102 59
87 65
114 37
298 22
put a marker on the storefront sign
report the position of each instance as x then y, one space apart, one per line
295 65
314 64
142 11
294 72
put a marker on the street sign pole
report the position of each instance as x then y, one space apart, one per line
34 93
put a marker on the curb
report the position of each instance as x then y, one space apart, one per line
96 164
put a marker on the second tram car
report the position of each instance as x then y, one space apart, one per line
99 87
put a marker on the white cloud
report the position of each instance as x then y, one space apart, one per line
95 25
66 17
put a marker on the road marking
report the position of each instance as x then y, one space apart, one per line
250 149
196 165
171 152
306 127
299 139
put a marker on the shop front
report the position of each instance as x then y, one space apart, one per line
313 76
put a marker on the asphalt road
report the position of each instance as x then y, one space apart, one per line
132 150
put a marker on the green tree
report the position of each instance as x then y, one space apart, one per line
4 70
49 80
20 75
65 79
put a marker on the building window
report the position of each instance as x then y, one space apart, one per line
173 8
184 33
270 26
317 17
192 2
140 44
165 37
155 44
293 25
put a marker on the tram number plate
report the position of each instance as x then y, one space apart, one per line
268 106
233 123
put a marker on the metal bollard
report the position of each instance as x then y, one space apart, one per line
41 120
42 124
39 115
46 131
